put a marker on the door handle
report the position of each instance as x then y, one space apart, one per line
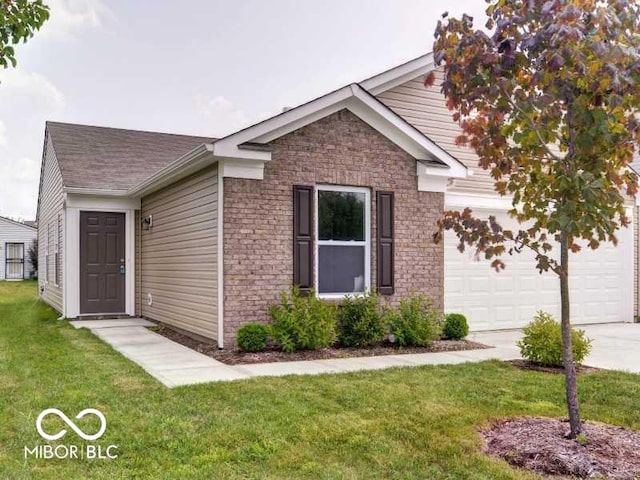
122 270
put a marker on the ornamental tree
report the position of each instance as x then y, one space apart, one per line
19 20
548 96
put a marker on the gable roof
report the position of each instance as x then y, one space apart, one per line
249 148
398 75
242 144
21 224
112 158
127 162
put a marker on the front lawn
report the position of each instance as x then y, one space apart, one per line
400 423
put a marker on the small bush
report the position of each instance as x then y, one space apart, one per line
415 323
303 322
455 326
252 337
360 322
542 342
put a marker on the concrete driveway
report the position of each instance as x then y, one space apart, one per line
616 346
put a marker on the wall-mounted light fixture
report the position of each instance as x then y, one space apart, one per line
147 222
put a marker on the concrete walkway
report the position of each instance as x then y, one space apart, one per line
615 346
167 361
175 365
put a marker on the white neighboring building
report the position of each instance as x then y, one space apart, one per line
15 239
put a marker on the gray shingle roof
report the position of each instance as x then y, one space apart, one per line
113 158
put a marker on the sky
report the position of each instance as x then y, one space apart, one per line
200 67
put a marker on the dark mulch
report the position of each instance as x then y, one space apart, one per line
237 357
527 365
539 444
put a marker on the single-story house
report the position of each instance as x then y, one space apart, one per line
15 240
340 195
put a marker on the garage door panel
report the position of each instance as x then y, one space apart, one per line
601 285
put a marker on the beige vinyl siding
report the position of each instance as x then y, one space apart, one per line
51 229
178 255
425 109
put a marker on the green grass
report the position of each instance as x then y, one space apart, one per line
406 423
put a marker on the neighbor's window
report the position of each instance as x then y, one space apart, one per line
343 244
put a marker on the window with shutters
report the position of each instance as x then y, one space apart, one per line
343 244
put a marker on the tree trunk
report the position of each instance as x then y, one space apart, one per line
567 347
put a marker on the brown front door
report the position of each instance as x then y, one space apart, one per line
102 267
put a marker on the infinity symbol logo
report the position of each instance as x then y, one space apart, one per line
63 432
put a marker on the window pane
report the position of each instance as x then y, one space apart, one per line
340 269
341 215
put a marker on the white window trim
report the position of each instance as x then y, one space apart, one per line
366 243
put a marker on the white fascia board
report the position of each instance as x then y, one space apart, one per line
433 171
101 202
228 150
197 159
457 200
399 75
105 192
281 124
432 184
234 168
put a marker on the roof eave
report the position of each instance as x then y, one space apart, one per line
197 159
354 98
15 222
398 75
102 192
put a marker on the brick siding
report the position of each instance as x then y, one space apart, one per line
258 215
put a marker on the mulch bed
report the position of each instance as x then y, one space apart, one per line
539 444
237 357
527 365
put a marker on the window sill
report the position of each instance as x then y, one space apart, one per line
339 296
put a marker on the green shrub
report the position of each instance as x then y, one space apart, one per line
542 342
303 322
360 322
415 323
252 337
455 326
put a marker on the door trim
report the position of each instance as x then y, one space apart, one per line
72 249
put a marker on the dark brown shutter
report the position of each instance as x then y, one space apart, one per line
303 237
384 202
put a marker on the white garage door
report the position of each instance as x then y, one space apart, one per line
601 285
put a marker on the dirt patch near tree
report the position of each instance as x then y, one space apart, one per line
237 357
527 365
539 444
